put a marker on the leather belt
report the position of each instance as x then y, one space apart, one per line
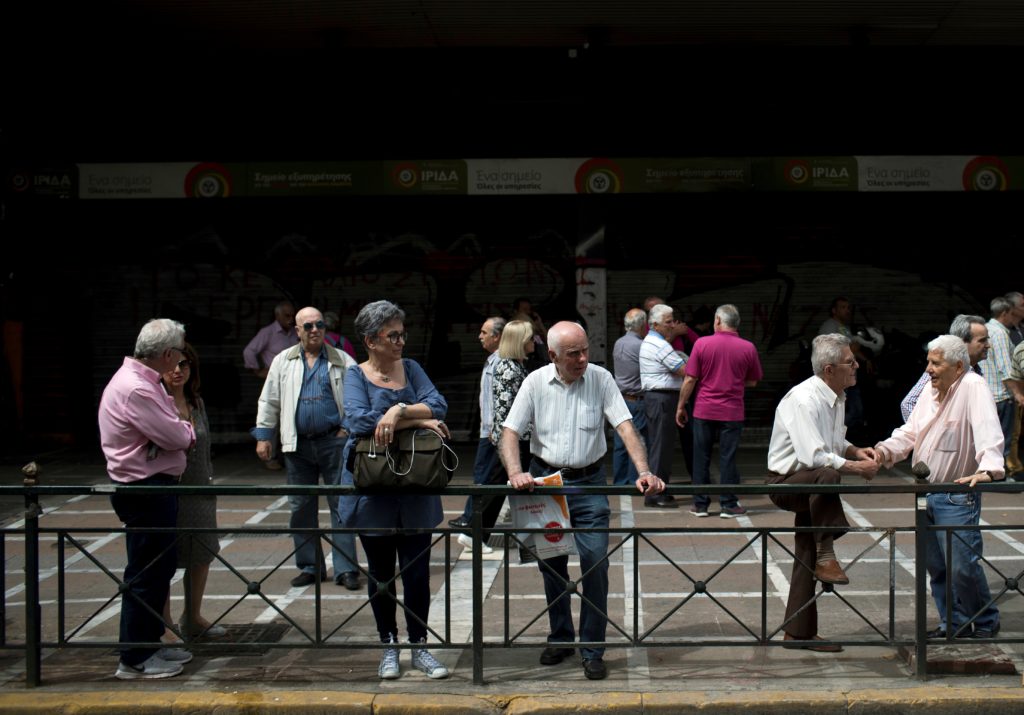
571 474
633 397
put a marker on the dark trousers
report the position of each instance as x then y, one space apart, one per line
586 511
662 430
152 559
487 469
381 552
705 432
810 510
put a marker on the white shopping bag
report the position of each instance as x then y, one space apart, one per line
544 511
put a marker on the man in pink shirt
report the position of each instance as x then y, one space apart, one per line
145 440
954 430
720 367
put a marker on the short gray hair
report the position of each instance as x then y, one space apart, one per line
961 326
1014 297
635 322
826 350
1000 305
158 336
659 312
953 349
376 315
497 325
728 314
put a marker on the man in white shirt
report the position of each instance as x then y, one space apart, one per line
809 446
567 402
486 467
662 369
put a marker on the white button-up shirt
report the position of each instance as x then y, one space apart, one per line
809 432
568 420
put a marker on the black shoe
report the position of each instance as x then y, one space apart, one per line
939 632
594 669
307 577
662 502
459 523
985 632
554 656
349 579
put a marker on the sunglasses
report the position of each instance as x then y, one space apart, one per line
319 325
184 364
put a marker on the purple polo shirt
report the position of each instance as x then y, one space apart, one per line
722 362
269 341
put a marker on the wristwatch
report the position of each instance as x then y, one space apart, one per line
401 409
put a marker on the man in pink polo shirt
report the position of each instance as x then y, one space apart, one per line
145 440
720 367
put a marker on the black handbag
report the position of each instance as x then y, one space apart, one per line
415 458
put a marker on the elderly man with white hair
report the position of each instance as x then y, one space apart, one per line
955 431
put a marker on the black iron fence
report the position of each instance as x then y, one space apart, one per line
761 630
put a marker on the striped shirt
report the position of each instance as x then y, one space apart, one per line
317 412
659 362
996 367
568 420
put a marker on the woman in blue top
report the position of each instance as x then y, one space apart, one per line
384 394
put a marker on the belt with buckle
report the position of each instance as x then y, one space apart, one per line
633 397
571 474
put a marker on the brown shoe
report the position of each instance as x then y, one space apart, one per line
830 572
830 648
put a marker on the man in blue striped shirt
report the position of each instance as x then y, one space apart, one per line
303 397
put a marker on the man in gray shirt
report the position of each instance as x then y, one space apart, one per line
626 363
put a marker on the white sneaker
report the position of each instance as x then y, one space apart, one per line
150 669
175 655
467 541
389 668
423 660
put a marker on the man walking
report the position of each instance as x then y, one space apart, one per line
486 467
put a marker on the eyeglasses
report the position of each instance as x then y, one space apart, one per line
319 325
184 364
850 363
395 337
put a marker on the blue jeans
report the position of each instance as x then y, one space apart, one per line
1006 410
623 470
585 511
704 434
312 459
970 587
486 467
152 560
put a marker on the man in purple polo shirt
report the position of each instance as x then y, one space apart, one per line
145 440
720 367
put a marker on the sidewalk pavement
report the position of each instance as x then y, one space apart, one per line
742 678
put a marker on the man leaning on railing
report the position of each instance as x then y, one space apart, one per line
808 446
954 430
